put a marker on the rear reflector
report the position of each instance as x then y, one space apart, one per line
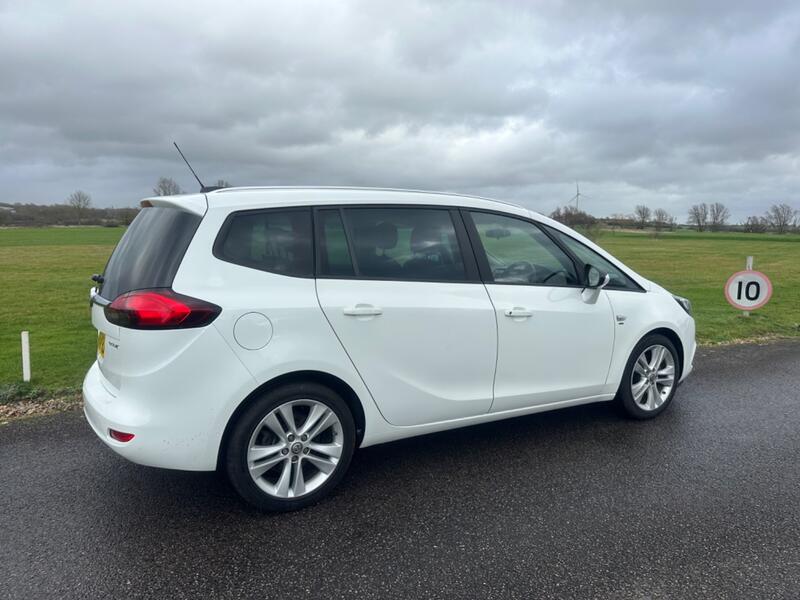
160 309
120 436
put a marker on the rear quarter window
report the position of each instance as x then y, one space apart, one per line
276 240
150 252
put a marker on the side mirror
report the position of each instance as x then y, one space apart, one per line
596 279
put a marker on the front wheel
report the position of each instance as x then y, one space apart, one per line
650 378
291 447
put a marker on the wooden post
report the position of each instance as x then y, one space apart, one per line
26 357
748 266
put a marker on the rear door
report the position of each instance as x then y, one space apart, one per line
552 344
400 287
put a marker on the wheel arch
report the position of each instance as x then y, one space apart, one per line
333 382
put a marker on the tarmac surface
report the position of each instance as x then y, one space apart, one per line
701 502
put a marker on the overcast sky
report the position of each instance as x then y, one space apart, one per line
666 104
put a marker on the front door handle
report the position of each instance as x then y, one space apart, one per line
518 313
363 310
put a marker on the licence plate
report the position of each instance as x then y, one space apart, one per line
101 344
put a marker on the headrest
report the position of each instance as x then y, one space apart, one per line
383 236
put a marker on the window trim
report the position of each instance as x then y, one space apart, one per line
216 249
318 242
471 269
550 232
483 260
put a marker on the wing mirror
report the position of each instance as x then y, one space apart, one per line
595 278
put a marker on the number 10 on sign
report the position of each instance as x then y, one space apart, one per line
748 290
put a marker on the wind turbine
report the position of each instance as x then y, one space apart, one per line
577 196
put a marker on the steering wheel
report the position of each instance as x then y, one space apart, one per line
554 273
520 269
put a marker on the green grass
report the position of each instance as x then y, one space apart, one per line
697 265
44 284
44 288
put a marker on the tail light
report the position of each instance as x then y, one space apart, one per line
160 309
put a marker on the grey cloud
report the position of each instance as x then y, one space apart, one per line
666 104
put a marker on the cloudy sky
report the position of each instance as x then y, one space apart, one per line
664 103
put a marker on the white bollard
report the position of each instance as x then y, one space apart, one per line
26 357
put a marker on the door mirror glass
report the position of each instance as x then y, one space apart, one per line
594 277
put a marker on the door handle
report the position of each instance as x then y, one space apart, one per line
363 310
518 313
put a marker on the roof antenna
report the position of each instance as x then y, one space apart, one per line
203 188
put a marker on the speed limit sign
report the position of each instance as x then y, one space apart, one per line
748 290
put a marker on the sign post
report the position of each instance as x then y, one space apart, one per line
748 290
748 266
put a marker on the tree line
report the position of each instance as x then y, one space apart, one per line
779 218
77 209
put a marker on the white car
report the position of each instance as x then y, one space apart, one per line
270 332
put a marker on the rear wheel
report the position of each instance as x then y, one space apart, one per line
650 378
291 447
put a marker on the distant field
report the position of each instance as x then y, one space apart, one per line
44 288
697 265
44 283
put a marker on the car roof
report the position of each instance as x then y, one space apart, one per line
264 196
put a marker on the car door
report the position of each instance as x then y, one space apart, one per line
400 288
554 342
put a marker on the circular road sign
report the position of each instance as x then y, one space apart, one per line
748 290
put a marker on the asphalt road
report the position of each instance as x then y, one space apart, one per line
701 502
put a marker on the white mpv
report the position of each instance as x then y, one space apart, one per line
269 332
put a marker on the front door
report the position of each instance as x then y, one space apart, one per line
553 345
399 290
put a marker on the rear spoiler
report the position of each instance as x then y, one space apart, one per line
193 203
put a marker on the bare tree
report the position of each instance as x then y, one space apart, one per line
755 225
662 219
642 215
781 217
698 216
223 183
166 186
80 201
718 216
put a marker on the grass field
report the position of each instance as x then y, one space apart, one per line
44 283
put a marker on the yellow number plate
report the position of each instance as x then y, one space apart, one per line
101 344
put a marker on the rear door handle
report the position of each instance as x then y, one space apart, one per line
363 310
518 313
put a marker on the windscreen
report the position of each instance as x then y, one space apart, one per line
149 253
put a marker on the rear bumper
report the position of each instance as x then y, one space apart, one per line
177 413
154 444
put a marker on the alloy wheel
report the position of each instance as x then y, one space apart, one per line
295 448
653 377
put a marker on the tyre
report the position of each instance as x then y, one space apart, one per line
650 378
291 447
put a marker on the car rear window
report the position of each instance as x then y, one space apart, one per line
150 252
274 240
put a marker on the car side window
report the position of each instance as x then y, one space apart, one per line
519 252
278 241
618 279
335 260
413 244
